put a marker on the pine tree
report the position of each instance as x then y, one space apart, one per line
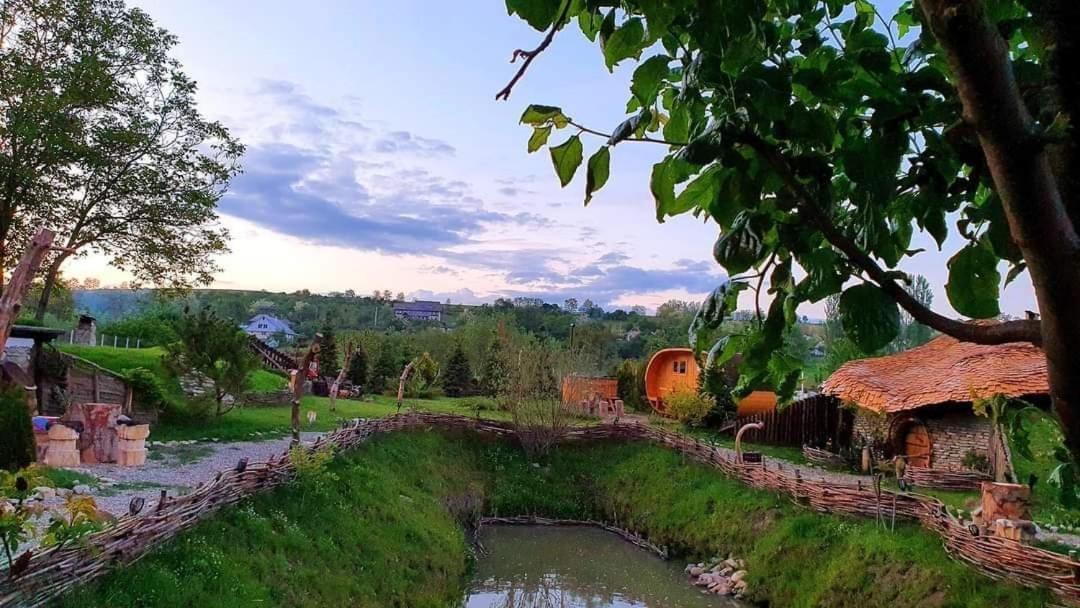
457 380
329 364
358 371
385 367
493 371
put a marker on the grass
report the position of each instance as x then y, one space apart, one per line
387 532
66 478
791 454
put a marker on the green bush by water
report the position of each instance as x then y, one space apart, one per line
388 532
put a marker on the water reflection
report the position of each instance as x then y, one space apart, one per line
542 567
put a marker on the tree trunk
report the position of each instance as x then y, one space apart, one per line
15 291
1037 214
298 385
47 288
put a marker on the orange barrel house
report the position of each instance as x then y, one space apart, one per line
674 369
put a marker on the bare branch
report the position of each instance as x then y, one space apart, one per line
528 56
651 140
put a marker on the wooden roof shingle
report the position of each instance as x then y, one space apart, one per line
940 371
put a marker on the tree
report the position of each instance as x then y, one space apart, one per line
358 369
213 348
457 379
493 370
824 135
385 367
570 305
102 140
329 361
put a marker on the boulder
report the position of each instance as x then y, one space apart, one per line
82 489
738 576
45 492
696 571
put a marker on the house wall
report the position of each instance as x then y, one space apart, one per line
954 431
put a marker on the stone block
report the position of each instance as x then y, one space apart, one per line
132 457
62 451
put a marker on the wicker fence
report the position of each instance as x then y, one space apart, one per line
58 571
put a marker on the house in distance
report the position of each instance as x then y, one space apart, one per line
269 329
420 310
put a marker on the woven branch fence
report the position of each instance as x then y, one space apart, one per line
57 571
945 480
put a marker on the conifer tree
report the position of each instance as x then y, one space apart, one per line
457 380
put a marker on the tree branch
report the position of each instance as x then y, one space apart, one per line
528 56
651 140
997 333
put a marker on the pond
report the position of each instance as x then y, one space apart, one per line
541 567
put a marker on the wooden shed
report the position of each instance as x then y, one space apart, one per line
675 369
576 388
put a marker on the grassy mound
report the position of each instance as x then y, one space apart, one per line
387 532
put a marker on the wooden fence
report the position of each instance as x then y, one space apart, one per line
57 571
815 421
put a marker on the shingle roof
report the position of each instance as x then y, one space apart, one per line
940 371
419 305
275 325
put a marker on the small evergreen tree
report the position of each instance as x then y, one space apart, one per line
16 432
631 383
358 369
457 380
493 371
329 364
212 347
385 367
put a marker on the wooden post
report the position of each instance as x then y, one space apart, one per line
297 382
401 383
340 377
15 291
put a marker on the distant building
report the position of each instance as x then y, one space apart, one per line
420 310
269 329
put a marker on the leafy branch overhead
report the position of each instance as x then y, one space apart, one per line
819 137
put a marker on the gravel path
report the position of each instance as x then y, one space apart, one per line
177 468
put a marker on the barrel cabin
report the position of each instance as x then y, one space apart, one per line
918 404
676 369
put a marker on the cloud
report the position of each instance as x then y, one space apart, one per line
403 141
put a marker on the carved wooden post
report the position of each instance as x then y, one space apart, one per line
340 377
15 291
297 384
401 383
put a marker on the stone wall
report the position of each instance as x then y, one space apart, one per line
954 434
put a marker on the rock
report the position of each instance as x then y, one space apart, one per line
716 568
81 489
64 492
739 586
731 563
738 576
696 571
721 588
45 492
727 571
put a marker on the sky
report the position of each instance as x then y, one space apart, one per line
378 158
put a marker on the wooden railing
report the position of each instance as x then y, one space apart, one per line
57 571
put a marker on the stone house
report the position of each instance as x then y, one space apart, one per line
919 403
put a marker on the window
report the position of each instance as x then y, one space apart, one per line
679 367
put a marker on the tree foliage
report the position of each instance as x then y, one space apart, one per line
358 368
102 141
820 135
457 379
16 433
213 348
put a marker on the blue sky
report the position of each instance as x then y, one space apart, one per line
379 159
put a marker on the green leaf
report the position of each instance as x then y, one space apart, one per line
677 128
538 115
589 22
540 14
665 174
974 282
648 77
628 40
628 127
824 274
713 310
567 157
869 316
597 172
739 248
699 193
539 138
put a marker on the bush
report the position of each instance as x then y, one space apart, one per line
17 448
631 384
480 404
689 407
147 387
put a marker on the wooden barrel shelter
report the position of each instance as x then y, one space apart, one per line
674 369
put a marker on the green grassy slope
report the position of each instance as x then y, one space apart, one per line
385 533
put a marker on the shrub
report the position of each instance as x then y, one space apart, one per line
631 383
358 369
480 404
688 406
17 448
147 387
213 347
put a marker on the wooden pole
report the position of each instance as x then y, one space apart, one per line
401 383
340 377
297 384
12 298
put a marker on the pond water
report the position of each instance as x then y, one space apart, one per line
542 567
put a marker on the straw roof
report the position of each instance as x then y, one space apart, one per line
940 371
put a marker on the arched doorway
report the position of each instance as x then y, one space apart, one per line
914 440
